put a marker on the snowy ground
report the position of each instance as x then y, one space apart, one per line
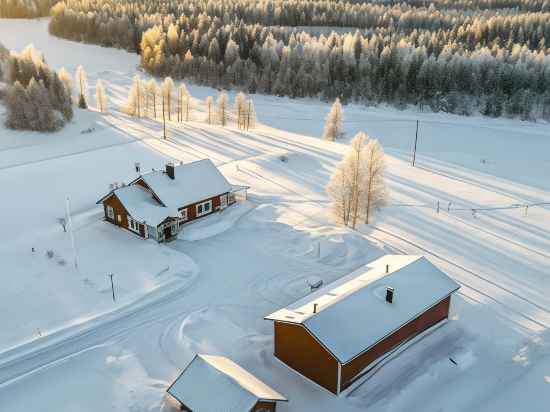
226 273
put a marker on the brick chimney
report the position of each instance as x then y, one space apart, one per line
170 170
389 295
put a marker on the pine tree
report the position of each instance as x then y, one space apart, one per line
67 81
333 124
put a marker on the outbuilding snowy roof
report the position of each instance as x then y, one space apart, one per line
217 384
192 183
141 205
352 314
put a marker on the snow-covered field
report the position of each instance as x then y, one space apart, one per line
209 290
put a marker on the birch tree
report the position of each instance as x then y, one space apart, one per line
222 108
82 85
184 103
100 97
250 118
210 109
374 194
240 111
152 91
167 90
333 124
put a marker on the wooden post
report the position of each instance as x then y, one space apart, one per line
112 286
415 142
163 117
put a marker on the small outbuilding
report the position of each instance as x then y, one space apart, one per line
337 334
159 203
217 384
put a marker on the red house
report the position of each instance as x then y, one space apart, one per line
159 203
337 334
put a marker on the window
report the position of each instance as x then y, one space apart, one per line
174 229
223 201
183 214
110 212
133 225
119 218
204 208
231 198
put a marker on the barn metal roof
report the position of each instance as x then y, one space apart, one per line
351 314
217 384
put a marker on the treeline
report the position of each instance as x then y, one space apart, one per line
25 8
37 98
452 61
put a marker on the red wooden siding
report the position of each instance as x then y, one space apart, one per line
351 370
295 346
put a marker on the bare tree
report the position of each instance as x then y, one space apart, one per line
222 108
240 102
357 186
100 97
152 91
167 89
82 84
250 118
374 194
210 108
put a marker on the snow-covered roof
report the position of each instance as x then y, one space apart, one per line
352 313
141 205
217 384
193 182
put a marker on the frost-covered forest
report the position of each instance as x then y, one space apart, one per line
25 8
37 98
492 59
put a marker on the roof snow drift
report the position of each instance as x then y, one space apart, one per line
217 384
193 182
142 207
351 315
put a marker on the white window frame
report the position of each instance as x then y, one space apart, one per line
223 201
133 225
231 198
110 212
183 214
202 206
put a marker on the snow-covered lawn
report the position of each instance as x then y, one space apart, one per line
209 290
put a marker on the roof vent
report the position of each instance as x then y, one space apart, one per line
315 308
387 268
138 167
389 295
170 170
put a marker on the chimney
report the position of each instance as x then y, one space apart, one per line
315 308
389 295
387 268
170 170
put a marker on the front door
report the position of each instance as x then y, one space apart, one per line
167 232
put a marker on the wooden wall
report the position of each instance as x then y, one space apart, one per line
295 346
351 370
263 405
119 210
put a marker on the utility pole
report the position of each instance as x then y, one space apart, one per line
163 117
415 142
70 224
112 286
